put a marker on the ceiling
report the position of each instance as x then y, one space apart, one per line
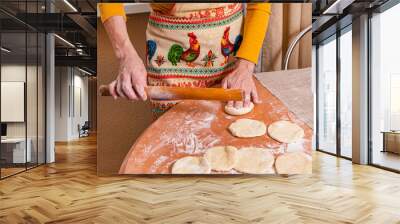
332 15
21 21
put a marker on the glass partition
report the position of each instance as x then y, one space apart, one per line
346 93
31 100
327 96
13 103
22 77
41 97
385 89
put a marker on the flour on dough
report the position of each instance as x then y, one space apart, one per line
285 131
191 165
247 128
293 163
238 111
255 160
221 158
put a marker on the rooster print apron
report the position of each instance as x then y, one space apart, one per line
192 46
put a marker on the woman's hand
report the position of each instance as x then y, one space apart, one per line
132 77
242 78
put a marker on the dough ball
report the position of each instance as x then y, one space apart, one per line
247 128
285 131
238 111
293 163
221 158
255 161
191 165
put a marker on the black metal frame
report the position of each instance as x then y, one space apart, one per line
44 70
389 4
337 35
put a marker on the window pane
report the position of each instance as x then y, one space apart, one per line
41 98
327 96
346 93
31 100
385 86
14 153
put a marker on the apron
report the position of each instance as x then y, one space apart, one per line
192 46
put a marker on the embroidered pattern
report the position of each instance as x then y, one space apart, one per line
151 48
209 59
195 26
181 35
189 71
201 83
227 47
160 60
177 53
200 16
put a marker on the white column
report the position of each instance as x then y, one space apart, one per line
360 90
50 99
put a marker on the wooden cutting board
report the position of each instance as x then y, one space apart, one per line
191 127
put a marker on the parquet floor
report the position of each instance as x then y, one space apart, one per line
70 192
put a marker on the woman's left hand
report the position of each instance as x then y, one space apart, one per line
242 78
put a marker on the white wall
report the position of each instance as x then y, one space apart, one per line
62 81
12 73
70 83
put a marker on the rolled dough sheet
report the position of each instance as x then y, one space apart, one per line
238 111
255 160
221 158
247 128
293 163
191 165
285 131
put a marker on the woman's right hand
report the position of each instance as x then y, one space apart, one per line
132 77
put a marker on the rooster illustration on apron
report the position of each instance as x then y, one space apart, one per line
192 46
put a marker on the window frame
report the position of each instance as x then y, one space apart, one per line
334 37
378 10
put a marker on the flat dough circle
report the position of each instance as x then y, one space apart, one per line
191 165
238 111
255 160
293 163
247 128
285 131
221 158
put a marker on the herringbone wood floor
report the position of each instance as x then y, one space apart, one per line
70 192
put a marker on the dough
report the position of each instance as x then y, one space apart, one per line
221 158
293 163
238 111
285 131
191 165
255 160
247 128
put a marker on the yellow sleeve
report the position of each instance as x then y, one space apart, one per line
255 28
108 10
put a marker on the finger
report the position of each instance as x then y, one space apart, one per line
128 90
119 90
254 96
246 101
112 90
224 84
139 89
238 104
230 103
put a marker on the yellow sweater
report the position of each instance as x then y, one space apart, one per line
255 24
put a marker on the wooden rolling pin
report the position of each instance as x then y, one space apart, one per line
186 93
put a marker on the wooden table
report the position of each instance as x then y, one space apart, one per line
391 141
191 127
14 152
